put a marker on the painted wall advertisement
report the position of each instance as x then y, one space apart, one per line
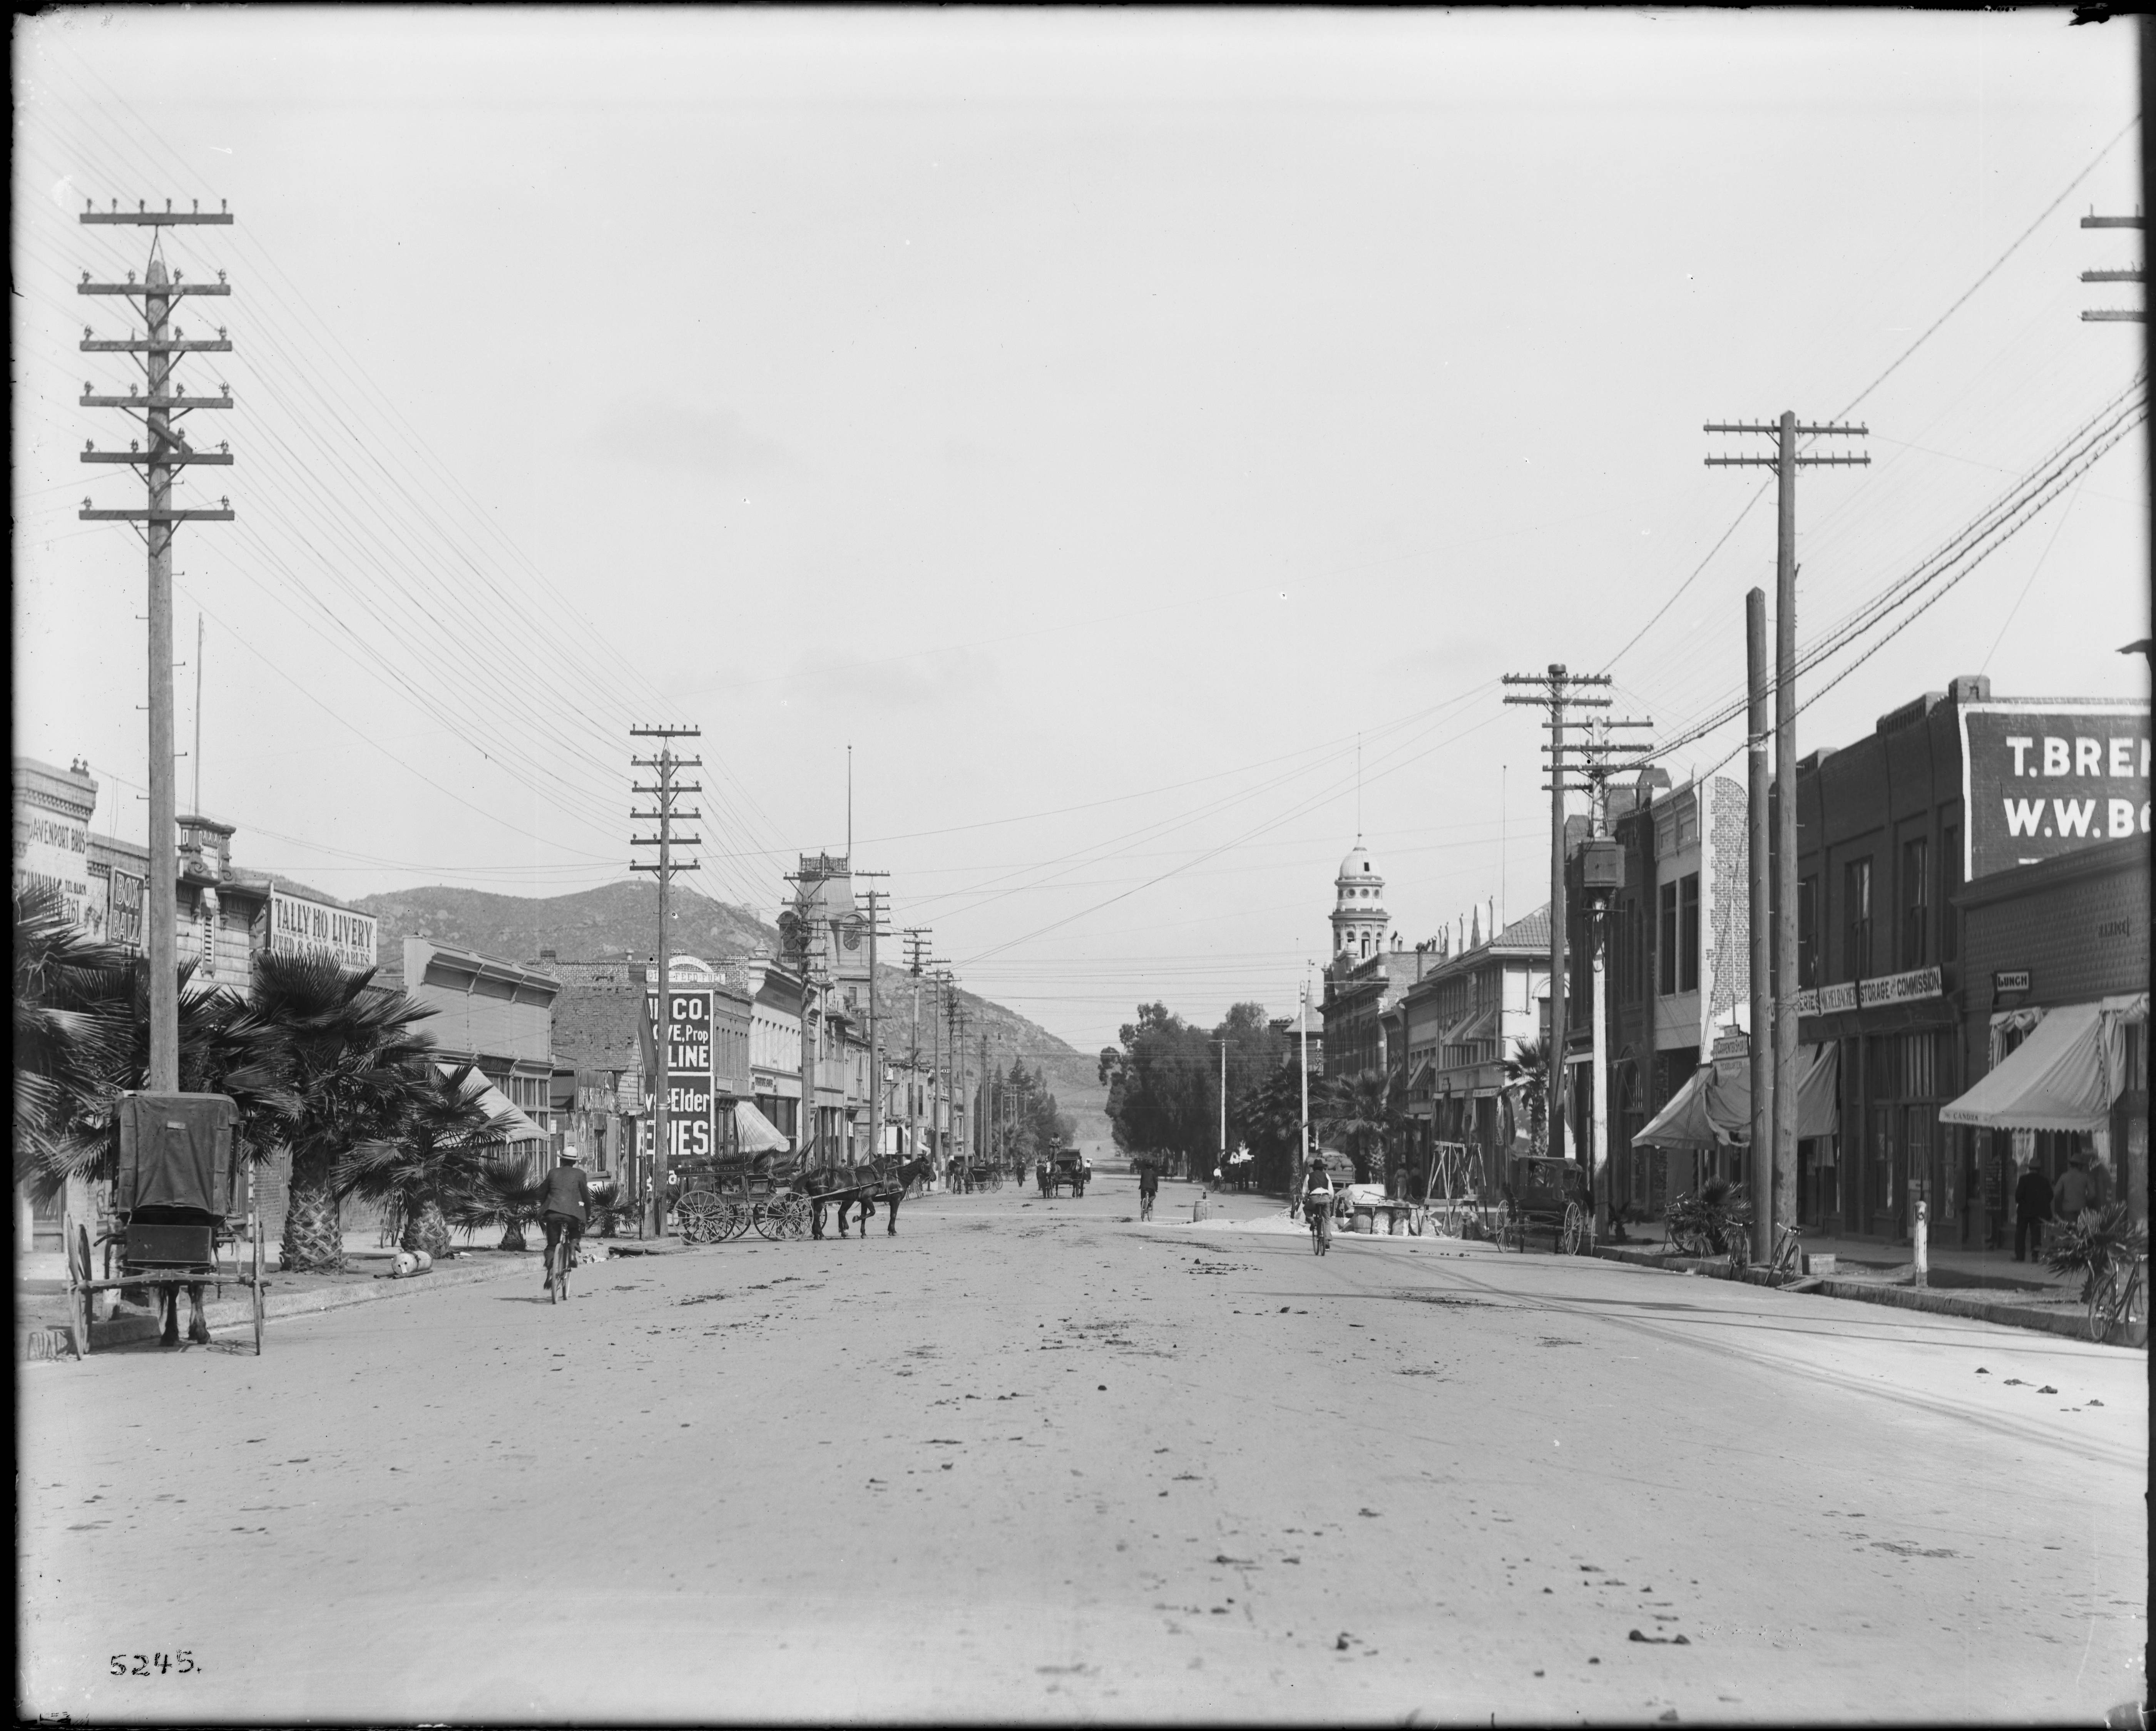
691 1098
52 852
301 928
2041 779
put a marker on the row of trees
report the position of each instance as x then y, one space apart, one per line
1024 1115
1164 1092
318 1059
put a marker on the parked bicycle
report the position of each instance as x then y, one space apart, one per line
1787 1261
2118 1300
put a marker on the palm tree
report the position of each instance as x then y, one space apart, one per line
1269 1118
445 1164
82 1023
352 1059
74 1044
1526 1079
1360 1113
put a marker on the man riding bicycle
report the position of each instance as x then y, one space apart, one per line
564 1201
1317 1196
1148 1185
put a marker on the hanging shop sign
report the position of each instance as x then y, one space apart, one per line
2009 979
300 928
2039 780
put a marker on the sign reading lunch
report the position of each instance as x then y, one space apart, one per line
2041 779
301 928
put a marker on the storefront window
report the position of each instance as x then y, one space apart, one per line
1856 919
1916 902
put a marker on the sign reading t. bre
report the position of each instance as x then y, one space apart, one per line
2040 779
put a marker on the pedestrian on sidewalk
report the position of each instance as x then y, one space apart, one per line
2032 1208
2073 1191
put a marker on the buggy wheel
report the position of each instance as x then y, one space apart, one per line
766 1218
2103 1306
260 1301
793 1216
1571 1234
79 1274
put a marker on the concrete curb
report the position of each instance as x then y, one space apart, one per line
2074 1324
226 1315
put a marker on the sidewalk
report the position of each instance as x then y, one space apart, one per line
2039 1300
41 1317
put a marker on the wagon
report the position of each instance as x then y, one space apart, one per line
1541 1193
723 1198
1066 1170
178 1208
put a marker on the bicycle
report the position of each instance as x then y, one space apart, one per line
1787 1261
1320 1213
1144 1205
560 1260
2116 1302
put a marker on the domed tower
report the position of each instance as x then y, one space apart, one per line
1359 920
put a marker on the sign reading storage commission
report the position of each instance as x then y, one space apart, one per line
301 928
2041 779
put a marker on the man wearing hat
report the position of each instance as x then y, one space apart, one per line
564 1201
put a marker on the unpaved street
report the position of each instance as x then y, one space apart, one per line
1034 1459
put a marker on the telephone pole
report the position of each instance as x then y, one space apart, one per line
161 408
1554 691
667 790
1758 774
875 1019
2114 314
1785 462
916 944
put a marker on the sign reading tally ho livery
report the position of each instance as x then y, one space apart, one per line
2040 779
301 928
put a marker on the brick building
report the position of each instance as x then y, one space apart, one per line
2062 941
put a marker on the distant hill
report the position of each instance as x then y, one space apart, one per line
617 920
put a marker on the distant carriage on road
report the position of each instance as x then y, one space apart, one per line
1065 1169
1541 1193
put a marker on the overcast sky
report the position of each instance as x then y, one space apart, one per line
1100 422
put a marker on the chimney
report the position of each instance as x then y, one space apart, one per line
547 957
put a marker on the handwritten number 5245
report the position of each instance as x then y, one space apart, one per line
161 1664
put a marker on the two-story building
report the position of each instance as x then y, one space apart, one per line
1461 1019
1952 788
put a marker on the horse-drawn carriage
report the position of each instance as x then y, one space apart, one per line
1062 1169
723 1196
1541 1193
177 1204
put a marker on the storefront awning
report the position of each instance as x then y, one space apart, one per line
1819 1072
757 1133
1418 1076
496 1104
1712 1111
2055 1080
1684 1121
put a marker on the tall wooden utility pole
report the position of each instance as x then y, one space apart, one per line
988 1121
916 942
1596 749
1785 462
161 408
667 790
1760 1177
1554 691
2114 314
876 1016
807 902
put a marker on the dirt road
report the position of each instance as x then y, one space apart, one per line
1034 1458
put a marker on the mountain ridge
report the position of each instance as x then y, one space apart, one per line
618 921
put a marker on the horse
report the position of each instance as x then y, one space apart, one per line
892 1189
825 1185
